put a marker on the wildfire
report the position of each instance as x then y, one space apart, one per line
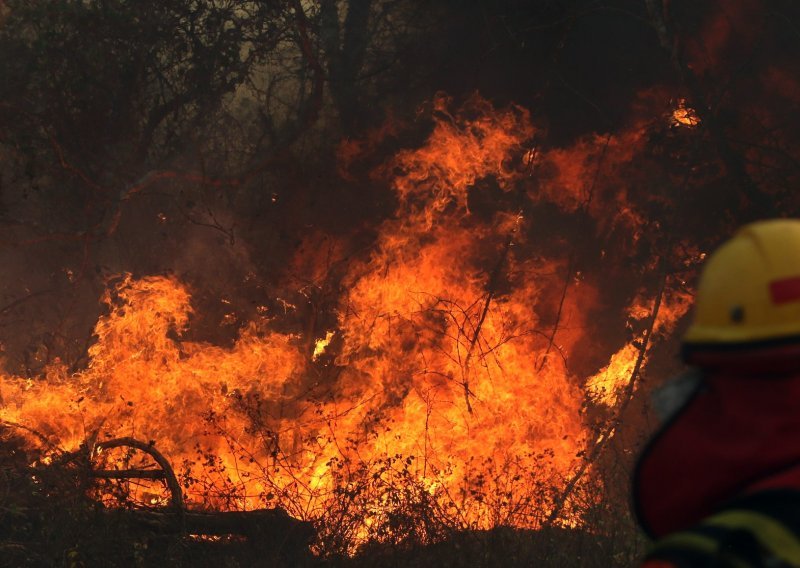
443 382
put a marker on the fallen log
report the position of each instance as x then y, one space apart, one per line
166 472
129 474
267 529
259 522
264 528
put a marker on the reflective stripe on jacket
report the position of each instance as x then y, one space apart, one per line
758 531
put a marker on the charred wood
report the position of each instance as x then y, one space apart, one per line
265 528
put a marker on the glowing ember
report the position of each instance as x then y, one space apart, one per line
684 115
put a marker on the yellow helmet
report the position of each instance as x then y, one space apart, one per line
749 290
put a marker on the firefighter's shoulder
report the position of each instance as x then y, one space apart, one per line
761 529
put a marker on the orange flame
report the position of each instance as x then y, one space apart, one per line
441 378
684 115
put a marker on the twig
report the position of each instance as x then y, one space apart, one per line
571 262
72 169
24 299
492 285
551 339
606 433
41 437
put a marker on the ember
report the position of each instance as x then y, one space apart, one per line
684 115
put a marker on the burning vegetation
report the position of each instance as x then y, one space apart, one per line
399 324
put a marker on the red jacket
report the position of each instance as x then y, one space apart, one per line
737 436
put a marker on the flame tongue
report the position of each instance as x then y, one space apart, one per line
443 381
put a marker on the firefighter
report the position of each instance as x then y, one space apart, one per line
719 483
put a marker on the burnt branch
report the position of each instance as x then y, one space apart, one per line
602 439
158 457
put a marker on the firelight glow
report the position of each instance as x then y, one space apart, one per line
441 385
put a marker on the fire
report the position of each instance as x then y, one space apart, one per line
606 386
444 380
683 115
321 345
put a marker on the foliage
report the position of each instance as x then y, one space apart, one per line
47 519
